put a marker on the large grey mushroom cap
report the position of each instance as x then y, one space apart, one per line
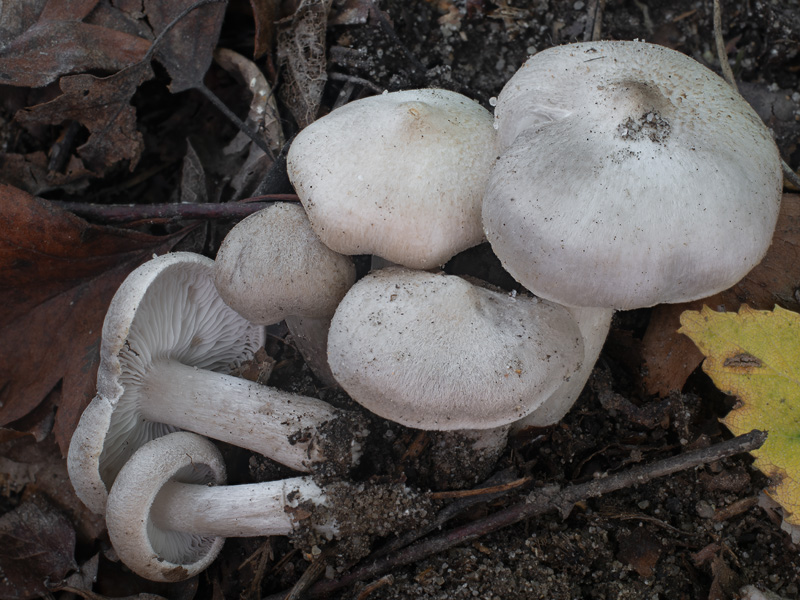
433 351
167 308
399 175
630 175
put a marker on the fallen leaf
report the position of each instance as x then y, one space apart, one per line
670 358
57 277
30 172
37 543
186 52
102 105
641 550
301 56
50 49
264 15
67 10
755 355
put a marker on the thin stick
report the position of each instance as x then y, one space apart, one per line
542 501
722 55
123 213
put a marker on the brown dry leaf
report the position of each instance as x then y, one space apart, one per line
30 172
670 358
301 57
16 17
187 50
57 276
265 12
641 550
103 106
67 10
36 543
49 49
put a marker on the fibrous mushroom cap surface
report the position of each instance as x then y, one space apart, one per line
272 265
399 175
433 351
630 175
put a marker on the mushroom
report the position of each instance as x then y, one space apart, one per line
400 175
433 351
629 175
168 341
169 512
594 324
272 267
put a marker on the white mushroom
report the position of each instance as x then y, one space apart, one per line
629 175
168 340
272 267
399 175
432 351
168 512
594 324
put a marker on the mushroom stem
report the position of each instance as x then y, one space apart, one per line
311 338
236 411
247 510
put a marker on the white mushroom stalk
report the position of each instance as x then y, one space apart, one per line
399 175
629 175
272 267
169 510
168 342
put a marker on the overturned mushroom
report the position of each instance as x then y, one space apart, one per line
168 340
399 175
272 267
629 175
168 512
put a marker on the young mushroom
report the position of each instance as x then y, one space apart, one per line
168 511
272 267
629 175
400 175
433 351
168 341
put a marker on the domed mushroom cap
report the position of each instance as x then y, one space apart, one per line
399 175
433 351
151 551
630 175
272 265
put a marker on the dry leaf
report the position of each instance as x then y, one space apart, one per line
755 355
187 50
301 56
36 543
57 276
103 106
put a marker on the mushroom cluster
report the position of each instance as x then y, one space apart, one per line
613 175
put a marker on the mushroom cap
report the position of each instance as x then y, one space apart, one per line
149 551
166 308
594 324
400 175
630 175
272 265
433 351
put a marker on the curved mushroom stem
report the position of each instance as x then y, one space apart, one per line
247 510
311 338
283 426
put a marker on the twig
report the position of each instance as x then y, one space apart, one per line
503 487
124 213
790 175
722 55
368 589
594 20
541 501
311 574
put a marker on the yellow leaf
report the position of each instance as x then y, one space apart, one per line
755 355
